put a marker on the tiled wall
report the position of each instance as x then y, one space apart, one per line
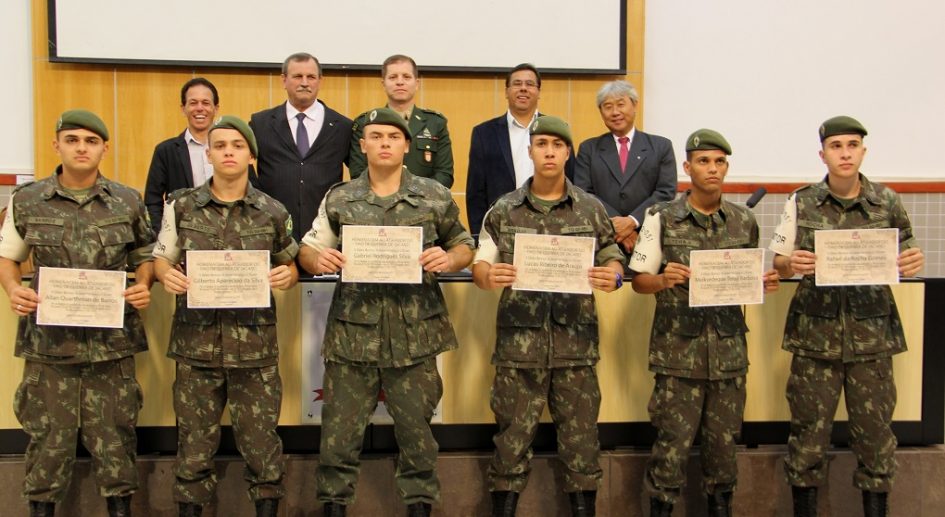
927 212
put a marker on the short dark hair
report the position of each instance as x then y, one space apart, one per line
519 68
399 58
301 57
199 81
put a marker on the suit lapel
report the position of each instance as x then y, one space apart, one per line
608 152
639 150
502 135
280 124
183 154
327 133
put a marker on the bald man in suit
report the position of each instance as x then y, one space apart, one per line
628 170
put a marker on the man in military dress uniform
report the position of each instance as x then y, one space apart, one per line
699 354
546 343
431 153
384 336
226 357
78 376
842 337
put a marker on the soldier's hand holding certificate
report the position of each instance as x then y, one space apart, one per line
228 279
553 263
726 277
857 257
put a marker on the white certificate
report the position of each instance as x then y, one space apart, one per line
382 254
81 298
228 279
857 257
726 277
553 263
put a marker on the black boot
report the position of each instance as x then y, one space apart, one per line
419 510
720 504
333 510
875 504
583 503
119 506
267 507
660 508
805 501
504 503
42 509
189 510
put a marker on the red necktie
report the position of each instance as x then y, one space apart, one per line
624 152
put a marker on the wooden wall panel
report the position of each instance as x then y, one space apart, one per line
243 93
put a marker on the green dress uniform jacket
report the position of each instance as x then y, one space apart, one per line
430 154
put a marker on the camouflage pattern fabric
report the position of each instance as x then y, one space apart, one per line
51 403
392 325
813 392
542 330
242 338
679 407
831 329
852 323
518 398
681 335
108 230
254 397
412 393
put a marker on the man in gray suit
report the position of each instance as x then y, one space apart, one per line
628 170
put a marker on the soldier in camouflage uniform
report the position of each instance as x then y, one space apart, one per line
226 357
842 337
384 336
546 343
75 376
431 153
699 354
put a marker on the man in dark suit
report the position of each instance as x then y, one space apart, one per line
628 170
498 153
302 143
181 162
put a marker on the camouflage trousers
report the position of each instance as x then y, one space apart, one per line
678 408
518 399
350 391
813 392
55 402
254 398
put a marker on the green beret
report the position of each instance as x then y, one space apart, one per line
234 122
707 140
841 125
548 125
388 117
82 119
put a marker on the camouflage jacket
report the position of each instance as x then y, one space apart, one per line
226 337
852 323
548 330
109 230
431 153
392 325
699 342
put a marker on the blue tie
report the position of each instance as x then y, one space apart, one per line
301 136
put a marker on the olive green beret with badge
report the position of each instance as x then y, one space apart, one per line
842 125
234 122
548 125
388 117
707 140
82 119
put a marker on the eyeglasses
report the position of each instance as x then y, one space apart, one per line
528 84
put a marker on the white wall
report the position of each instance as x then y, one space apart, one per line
16 90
